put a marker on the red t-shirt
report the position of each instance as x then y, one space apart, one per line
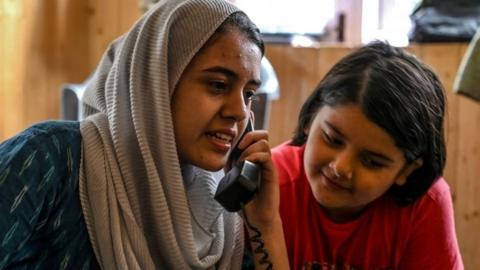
385 236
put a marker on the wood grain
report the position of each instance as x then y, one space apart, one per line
467 205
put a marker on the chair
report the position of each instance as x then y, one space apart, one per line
70 97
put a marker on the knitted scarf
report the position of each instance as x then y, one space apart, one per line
133 197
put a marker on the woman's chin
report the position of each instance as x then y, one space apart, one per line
212 165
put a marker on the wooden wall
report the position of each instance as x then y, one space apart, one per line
42 45
45 43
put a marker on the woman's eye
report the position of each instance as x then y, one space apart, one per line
250 95
218 86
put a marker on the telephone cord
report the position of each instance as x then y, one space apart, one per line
256 239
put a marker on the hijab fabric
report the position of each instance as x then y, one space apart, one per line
131 189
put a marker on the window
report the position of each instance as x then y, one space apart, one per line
387 20
285 19
310 21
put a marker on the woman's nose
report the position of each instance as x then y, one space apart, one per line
236 106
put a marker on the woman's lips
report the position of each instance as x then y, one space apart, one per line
221 141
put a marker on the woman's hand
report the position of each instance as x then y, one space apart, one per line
263 211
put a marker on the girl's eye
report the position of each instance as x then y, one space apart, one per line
331 140
372 163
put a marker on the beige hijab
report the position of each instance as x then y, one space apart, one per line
131 188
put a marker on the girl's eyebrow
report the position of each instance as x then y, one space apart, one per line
368 152
379 155
230 74
336 130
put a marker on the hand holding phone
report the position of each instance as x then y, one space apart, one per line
240 184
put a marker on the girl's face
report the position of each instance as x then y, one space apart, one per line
212 99
350 161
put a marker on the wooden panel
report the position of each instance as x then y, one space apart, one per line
41 55
72 43
55 50
328 57
445 66
299 71
45 44
296 69
104 18
463 157
129 13
468 185
108 19
12 14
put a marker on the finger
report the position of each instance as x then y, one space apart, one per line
263 160
252 137
257 147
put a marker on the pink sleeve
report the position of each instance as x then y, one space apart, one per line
433 243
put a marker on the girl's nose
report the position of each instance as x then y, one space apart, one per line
341 166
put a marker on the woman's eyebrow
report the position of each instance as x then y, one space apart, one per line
230 73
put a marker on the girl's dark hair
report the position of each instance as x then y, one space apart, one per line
398 93
240 21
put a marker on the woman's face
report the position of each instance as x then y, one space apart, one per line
350 161
212 99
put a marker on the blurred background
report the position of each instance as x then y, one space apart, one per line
45 44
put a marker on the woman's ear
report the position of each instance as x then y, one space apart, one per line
407 170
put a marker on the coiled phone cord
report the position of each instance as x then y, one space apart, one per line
256 239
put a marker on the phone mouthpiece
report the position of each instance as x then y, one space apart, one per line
238 186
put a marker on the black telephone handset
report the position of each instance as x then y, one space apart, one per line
240 184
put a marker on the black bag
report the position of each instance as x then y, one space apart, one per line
445 21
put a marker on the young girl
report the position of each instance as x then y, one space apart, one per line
360 181
129 187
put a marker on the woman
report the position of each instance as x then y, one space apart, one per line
129 186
